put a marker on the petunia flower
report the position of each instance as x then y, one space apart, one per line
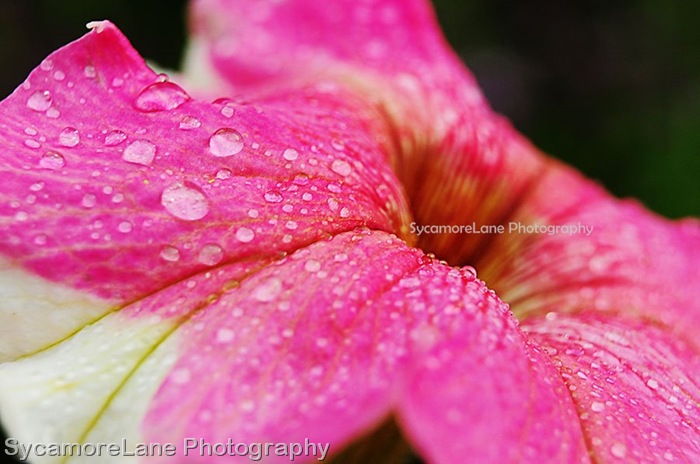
238 257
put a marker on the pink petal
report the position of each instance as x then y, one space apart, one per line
633 263
273 43
292 352
323 343
476 389
635 386
116 183
458 161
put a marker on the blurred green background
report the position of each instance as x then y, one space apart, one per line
610 87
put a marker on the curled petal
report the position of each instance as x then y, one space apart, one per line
116 183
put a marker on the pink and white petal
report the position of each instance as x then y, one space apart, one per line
300 350
476 389
116 183
96 386
632 263
635 385
36 313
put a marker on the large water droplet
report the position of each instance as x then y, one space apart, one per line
211 254
40 101
115 138
161 96
225 142
341 167
185 202
52 160
245 235
69 137
140 152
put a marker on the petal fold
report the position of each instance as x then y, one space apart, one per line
635 386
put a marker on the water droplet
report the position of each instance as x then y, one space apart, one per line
36 187
69 137
223 174
41 239
653 384
245 235
90 72
268 290
32 143
253 213
115 138
597 406
273 197
211 254
170 253
341 167
89 200
59 75
619 450
181 376
125 227
247 406
301 179
469 272
161 96
140 152
344 212
312 266
185 202
291 225
228 111
40 101
225 142
224 335
52 160
290 154
189 123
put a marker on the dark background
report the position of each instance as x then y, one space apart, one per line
610 87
